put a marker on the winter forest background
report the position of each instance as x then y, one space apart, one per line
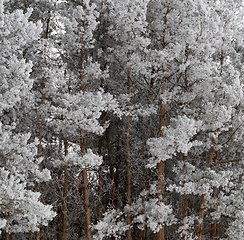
121 119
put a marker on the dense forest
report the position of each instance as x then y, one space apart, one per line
121 119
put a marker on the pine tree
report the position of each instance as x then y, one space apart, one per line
21 210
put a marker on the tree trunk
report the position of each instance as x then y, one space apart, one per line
59 217
161 186
87 204
141 234
203 198
59 190
111 165
127 156
65 190
161 165
100 180
83 152
39 150
111 171
84 188
184 212
7 236
185 201
59 208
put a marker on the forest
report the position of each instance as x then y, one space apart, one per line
121 119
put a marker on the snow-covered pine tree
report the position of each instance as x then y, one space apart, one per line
21 210
81 101
204 91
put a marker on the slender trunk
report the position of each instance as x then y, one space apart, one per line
7 236
213 232
100 180
59 215
201 216
185 201
99 207
203 198
87 204
83 151
39 147
141 233
111 165
39 150
65 190
85 190
161 165
184 212
161 186
116 180
127 153
111 171
59 190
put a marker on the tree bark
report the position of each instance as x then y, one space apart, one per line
185 201
128 163
87 204
117 174
59 190
7 236
203 198
161 165
39 150
83 152
65 190
111 165
100 180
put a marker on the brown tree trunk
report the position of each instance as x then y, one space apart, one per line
185 201
39 150
59 216
39 147
116 180
127 156
184 212
85 191
83 152
111 170
213 231
141 234
203 198
59 190
99 207
201 216
7 236
65 190
100 180
161 186
111 165
161 165
86 204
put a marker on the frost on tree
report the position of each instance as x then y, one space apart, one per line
21 210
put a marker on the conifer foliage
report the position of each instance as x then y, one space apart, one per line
121 119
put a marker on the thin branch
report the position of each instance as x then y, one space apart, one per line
232 135
219 226
147 127
229 161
